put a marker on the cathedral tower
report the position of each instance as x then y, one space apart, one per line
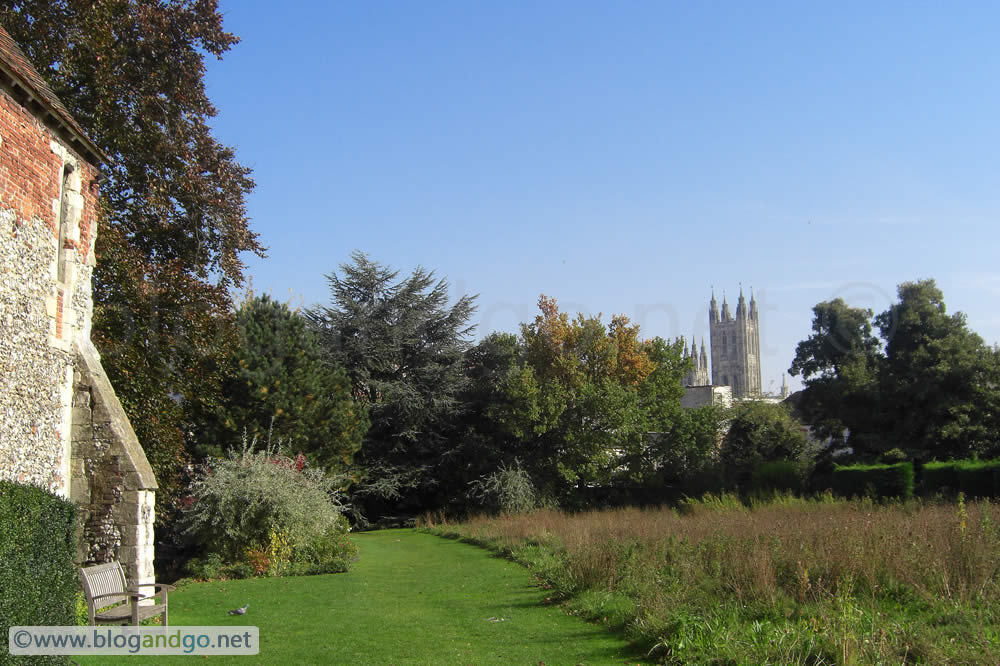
698 376
735 346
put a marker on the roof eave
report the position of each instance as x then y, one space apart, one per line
25 94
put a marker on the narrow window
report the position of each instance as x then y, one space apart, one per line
65 220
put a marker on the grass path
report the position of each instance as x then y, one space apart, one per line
412 598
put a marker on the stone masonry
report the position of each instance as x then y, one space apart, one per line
735 344
61 425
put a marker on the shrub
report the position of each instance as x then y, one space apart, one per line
37 578
261 512
206 568
975 478
506 490
759 432
939 477
776 476
879 481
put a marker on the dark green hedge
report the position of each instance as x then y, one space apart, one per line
939 477
879 481
37 578
776 475
975 478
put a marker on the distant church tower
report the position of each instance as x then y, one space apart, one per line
735 346
699 365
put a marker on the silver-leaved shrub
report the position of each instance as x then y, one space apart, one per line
260 512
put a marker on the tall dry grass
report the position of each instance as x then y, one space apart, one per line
799 548
786 581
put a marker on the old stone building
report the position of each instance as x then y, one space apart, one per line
699 365
61 425
735 345
705 395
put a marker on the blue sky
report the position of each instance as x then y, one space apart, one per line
624 157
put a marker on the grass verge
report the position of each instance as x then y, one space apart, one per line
412 598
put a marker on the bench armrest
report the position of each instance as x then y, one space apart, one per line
160 589
110 594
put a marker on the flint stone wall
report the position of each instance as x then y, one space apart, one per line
61 425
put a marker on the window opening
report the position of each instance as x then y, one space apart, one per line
64 221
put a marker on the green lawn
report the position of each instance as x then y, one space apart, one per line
411 599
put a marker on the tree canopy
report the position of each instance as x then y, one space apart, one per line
840 363
403 347
927 385
282 387
940 379
174 219
583 397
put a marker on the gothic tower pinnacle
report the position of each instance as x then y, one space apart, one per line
735 347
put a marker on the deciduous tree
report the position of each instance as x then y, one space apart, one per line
840 363
931 393
574 403
681 444
174 224
940 382
759 432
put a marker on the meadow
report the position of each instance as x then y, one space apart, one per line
786 581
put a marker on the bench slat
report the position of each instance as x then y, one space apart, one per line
124 612
105 587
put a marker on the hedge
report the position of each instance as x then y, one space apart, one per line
879 481
776 475
975 478
38 584
939 477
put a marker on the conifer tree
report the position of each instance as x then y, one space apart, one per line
402 346
282 386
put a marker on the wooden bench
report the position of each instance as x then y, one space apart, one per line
110 600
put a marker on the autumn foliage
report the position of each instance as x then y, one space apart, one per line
583 397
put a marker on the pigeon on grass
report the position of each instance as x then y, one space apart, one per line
240 611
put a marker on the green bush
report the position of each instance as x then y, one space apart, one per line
975 478
759 432
212 567
38 584
880 481
939 477
776 476
506 490
263 513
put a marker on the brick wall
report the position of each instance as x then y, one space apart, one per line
37 318
61 425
